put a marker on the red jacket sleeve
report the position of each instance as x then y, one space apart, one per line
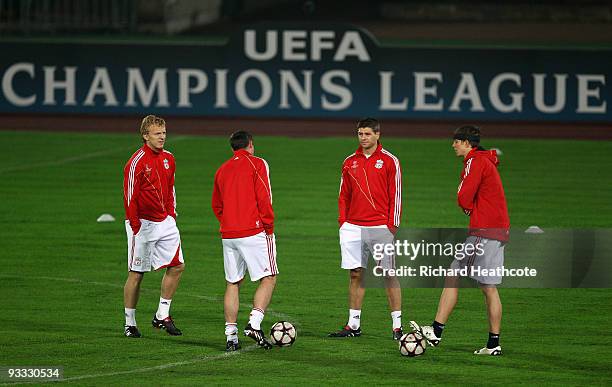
263 194
171 198
217 198
394 181
131 191
344 197
470 182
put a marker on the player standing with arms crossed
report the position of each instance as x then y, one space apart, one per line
242 202
481 197
153 238
369 203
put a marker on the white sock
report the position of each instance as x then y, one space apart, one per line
163 310
130 317
256 317
354 318
396 317
231 332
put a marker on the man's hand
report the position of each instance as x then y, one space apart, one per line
135 228
392 228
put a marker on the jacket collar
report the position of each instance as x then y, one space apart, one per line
150 151
491 155
470 155
359 150
241 152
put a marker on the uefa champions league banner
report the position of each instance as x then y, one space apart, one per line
305 71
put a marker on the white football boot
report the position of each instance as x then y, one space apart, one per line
428 333
489 351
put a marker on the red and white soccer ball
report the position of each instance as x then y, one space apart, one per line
283 334
412 344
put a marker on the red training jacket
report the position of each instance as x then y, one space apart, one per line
371 189
148 187
481 195
242 196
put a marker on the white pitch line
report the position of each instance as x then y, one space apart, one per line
163 366
146 369
73 159
67 160
119 286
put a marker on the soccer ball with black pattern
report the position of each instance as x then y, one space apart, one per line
283 334
412 344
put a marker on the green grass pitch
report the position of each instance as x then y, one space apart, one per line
63 273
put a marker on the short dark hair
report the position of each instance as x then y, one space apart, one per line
240 139
471 133
369 122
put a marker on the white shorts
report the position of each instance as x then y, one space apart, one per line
157 245
491 258
357 244
257 253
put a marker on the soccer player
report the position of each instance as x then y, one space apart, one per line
369 207
481 197
153 238
242 202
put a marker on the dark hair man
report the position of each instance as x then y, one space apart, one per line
481 197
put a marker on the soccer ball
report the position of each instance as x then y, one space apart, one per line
283 334
412 344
